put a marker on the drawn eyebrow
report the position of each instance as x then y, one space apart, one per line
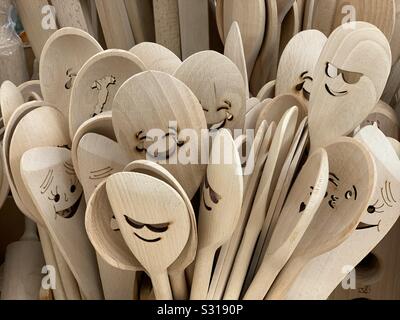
69 169
102 173
333 181
47 181
304 73
355 192
308 78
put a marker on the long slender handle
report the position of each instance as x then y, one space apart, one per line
179 285
285 279
202 274
242 262
50 259
161 286
263 279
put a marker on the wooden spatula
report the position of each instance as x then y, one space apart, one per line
352 181
63 55
157 232
171 109
347 82
293 222
220 205
97 83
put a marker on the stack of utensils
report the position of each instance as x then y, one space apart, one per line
149 177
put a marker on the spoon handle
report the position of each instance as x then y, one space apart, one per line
161 286
179 285
286 278
264 278
202 274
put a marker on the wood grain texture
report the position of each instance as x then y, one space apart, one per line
194 26
141 18
115 24
166 21
70 13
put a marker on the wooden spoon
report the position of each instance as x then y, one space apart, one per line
280 146
293 222
102 125
51 182
234 50
326 17
228 251
352 179
267 91
220 205
291 25
385 118
347 82
376 221
275 109
223 98
298 60
155 230
219 12
63 55
97 83
171 110
177 269
30 90
396 145
250 15
141 17
156 57
10 100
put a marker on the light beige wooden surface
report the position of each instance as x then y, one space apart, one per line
170 109
156 57
194 26
10 99
251 17
156 233
347 103
353 180
291 227
141 18
220 205
234 50
30 90
97 83
298 60
51 182
115 24
63 56
70 13
166 21
223 101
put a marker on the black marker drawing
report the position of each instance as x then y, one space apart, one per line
304 77
157 228
65 201
214 196
348 77
71 75
102 86
101 173
114 224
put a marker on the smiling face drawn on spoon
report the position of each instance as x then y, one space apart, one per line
64 197
218 85
150 218
156 117
211 194
347 82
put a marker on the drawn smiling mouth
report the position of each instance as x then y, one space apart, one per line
205 203
221 124
365 226
70 212
147 240
334 93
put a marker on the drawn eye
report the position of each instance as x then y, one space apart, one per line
351 77
158 228
371 209
348 195
56 196
331 71
133 223
73 188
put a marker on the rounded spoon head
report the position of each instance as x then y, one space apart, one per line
97 82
